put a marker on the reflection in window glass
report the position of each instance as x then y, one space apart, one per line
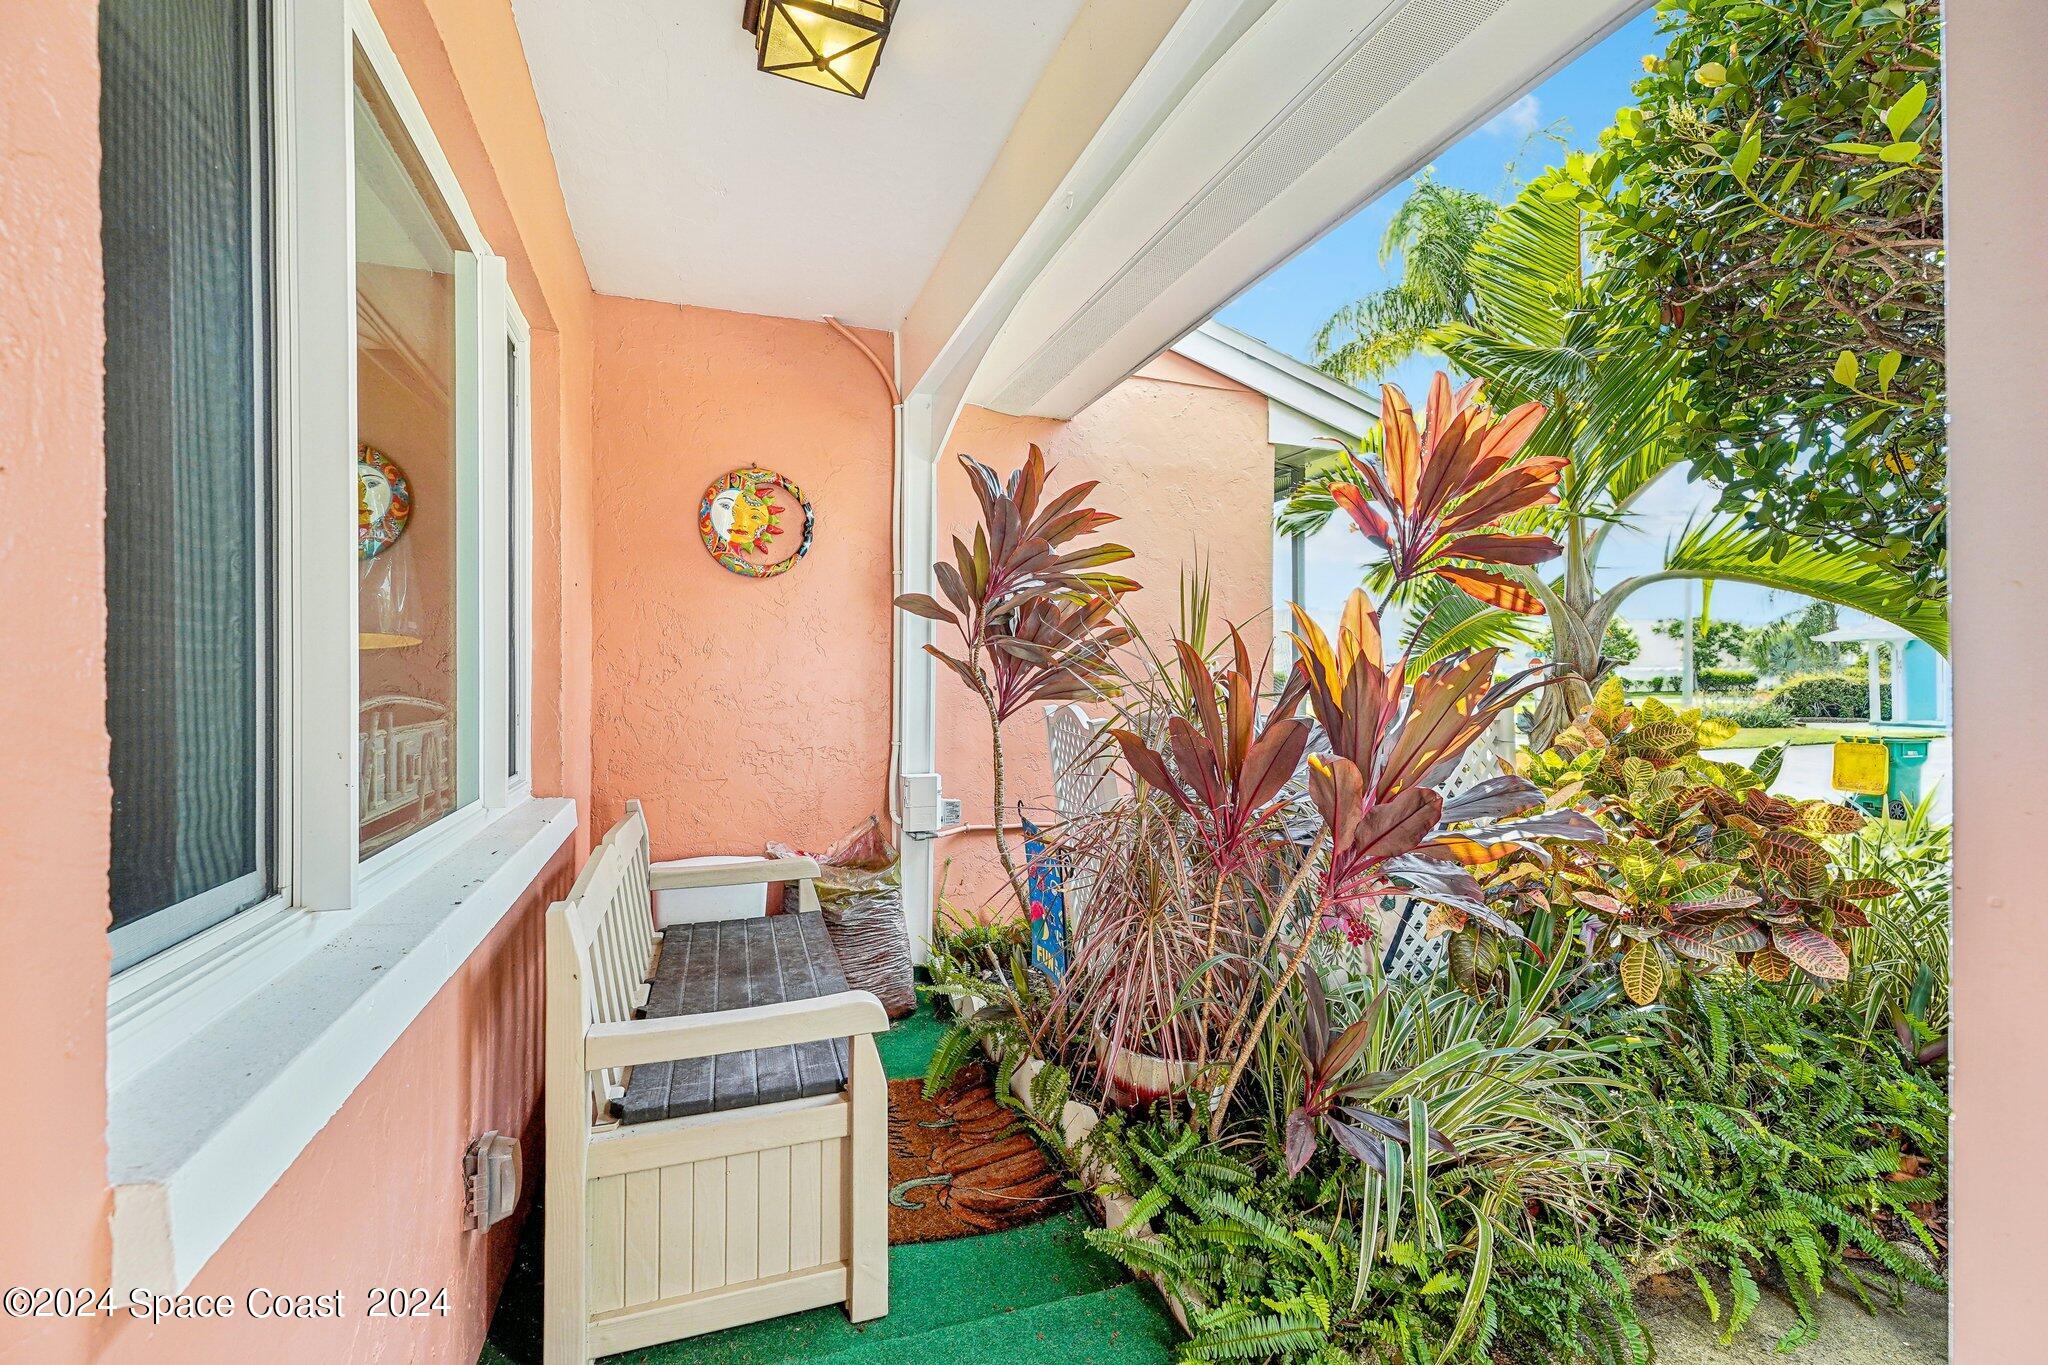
416 596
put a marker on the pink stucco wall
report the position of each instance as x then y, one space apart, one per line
739 710
363 1204
376 1200
1184 458
54 795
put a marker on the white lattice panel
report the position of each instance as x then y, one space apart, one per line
1082 784
1411 954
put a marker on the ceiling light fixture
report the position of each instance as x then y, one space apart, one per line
832 44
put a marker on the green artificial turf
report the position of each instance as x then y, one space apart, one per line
907 1047
1037 1293
945 1298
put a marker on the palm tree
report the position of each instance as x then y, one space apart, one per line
1433 232
1538 329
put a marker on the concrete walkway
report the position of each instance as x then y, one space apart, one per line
1849 1336
1809 768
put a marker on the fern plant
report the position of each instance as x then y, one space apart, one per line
1450 1257
1771 1138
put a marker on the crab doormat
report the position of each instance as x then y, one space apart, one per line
961 1164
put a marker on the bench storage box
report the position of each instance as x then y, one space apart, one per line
717 1147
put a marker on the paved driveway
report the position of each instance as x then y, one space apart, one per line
1808 768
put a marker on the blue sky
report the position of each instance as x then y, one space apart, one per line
1285 309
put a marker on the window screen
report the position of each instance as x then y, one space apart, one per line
181 126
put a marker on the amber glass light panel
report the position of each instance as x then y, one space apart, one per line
833 44
415 601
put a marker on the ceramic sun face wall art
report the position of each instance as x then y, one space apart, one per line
383 502
756 523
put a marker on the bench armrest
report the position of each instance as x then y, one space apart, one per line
637 1042
673 877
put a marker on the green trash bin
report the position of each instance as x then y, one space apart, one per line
1906 752
1909 756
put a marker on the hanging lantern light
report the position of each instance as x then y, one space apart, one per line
833 44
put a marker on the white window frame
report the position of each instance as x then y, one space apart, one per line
161 1001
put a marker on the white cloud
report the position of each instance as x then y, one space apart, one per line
1518 120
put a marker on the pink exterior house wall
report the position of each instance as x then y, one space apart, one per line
743 710
1184 459
54 793
375 1198
738 709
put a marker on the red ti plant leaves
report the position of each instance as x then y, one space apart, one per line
1392 737
1438 490
1225 769
1034 611
1330 1096
1031 609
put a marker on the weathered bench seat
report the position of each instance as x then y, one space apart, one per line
728 964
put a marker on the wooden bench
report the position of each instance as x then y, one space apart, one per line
717 1117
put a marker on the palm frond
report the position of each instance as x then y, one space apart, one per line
1724 548
1527 267
1449 622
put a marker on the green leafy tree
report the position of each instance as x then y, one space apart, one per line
1433 233
1621 647
1775 195
1715 644
1791 644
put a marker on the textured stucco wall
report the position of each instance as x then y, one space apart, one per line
54 794
375 1197
1183 457
1997 105
739 710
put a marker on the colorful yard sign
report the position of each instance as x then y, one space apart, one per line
1048 905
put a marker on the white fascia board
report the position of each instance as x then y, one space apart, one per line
1318 109
946 339
1291 431
1304 404
197 1140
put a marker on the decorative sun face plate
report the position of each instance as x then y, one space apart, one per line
383 502
745 522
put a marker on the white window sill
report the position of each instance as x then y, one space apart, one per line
196 1138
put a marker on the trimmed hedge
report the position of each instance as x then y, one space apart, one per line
1766 715
1825 696
1725 679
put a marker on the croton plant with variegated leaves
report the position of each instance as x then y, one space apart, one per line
1703 868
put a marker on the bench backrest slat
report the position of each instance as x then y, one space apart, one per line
611 929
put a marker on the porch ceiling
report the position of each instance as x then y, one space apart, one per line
693 178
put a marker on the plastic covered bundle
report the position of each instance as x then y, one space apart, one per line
862 897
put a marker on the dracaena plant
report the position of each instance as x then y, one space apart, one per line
1333 1100
1705 869
1225 769
1393 735
1035 613
1435 499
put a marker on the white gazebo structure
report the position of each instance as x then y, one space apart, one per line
1908 683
